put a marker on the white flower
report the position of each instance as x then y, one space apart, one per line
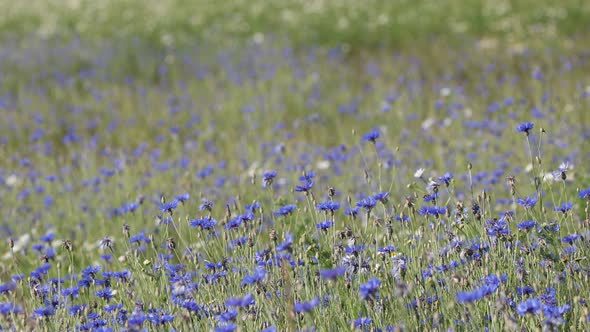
418 173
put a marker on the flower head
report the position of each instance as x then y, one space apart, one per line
371 136
525 127
332 273
530 306
302 307
369 289
527 202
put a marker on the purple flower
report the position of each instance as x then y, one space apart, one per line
525 127
324 225
332 273
285 210
305 187
302 307
584 194
367 203
245 301
526 225
183 198
530 306
362 322
9 308
369 289
268 178
257 276
527 202
371 136
105 293
328 206
565 207
169 207
44 311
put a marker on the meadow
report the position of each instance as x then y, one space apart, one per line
293 180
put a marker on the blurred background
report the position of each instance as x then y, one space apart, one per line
355 25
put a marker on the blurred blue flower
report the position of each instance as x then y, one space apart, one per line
332 273
525 127
371 136
526 225
245 301
565 207
302 307
369 290
530 306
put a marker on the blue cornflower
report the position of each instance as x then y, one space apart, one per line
525 127
204 223
50 236
257 276
285 210
206 205
432 210
233 223
231 327
584 194
7 287
44 311
570 239
431 198
333 273
305 187
446 179
159 317
245 301
252 208
72 291
386 250
371 136
369 289
525 290
76 310
530 306
527 202
470 296
139 238
105 293
526 225
268 177
353 212
302 307
497 227
553 314
362 322
307 176
286 245
328 206
183 198
324 225
381 197
169 207
565 207
9 308
228 316
354 250
367 203
91 271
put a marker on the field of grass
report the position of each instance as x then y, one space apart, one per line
281 182
356 24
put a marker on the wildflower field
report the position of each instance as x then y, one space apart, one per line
271 182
